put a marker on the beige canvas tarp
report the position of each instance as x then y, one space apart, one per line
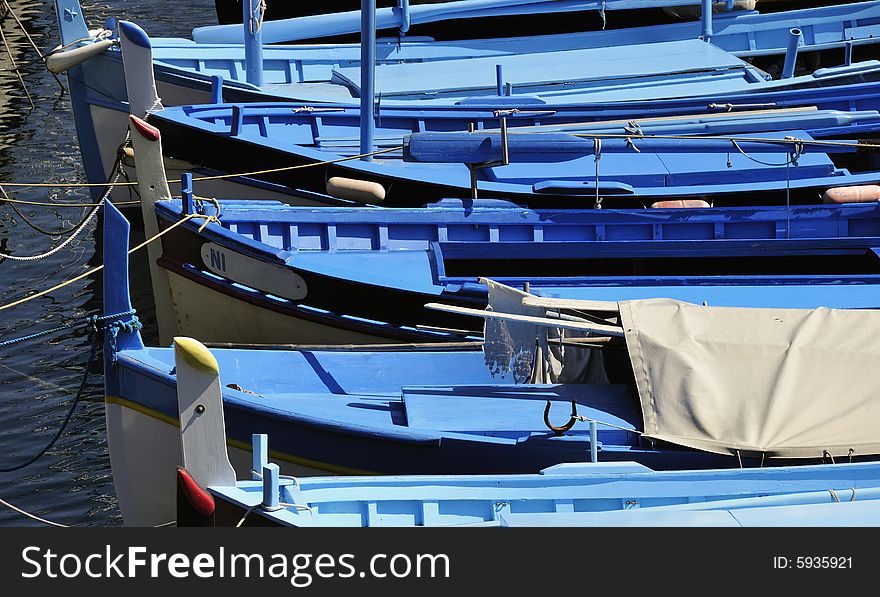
785 383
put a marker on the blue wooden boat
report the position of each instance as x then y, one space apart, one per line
430 410
231 12
569 494
408 16
287 274
638 166
303 154
614 496
185 70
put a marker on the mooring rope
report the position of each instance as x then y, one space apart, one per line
629 137
209 218
89 322
15 68
256 25
51 204
85 185
281 506
31 41
39 229
733 139
95 328
82 386
74 232
32 516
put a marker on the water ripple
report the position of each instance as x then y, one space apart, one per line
72 483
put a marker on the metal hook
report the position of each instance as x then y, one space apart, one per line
560 430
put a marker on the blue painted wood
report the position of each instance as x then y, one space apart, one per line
253 41
188 67
791 53
398 257
260 450
348 22
706 20
746 32
469 224
476 148
577 495
368 58
270 473
500 409
117 298
321 408
537 166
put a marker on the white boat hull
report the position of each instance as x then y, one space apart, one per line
211 316
145 451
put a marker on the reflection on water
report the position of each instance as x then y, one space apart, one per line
72 483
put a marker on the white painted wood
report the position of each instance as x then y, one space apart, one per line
254 273
200 404
144 454
62 61
581 305
140 81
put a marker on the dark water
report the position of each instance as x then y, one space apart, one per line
72 484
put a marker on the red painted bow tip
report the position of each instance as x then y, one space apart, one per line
201 501
147 131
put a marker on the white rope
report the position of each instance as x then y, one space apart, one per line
32 516
117 168
280 506
584 419
73 235
256 25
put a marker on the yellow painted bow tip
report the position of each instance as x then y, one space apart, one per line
196 355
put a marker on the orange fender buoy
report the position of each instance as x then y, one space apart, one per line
859 194
680 204
361 191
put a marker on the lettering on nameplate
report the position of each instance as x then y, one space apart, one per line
218 260
272 279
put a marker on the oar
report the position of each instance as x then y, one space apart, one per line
577 304
593 328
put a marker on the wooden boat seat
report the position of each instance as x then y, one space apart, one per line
490 409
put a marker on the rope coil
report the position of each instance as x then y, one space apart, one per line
91 323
